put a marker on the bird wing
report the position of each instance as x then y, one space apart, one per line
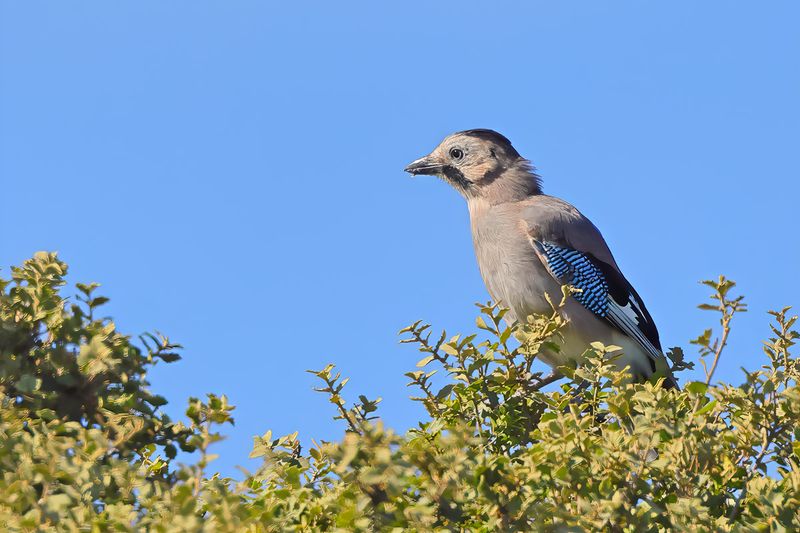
604 292
574 252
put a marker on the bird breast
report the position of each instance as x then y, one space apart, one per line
511 270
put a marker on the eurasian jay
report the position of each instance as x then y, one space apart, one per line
528 243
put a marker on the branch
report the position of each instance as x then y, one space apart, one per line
726 329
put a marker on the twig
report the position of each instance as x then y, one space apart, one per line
723 341
554 376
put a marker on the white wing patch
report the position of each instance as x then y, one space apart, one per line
625 318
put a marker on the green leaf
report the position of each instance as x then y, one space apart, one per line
697 387
425 360
97 302
56 503
707 407
481 323
444 392
28 383
449 349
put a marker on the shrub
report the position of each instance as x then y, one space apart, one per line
84 444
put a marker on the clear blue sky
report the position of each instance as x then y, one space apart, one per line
231 172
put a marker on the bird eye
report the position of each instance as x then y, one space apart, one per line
456 153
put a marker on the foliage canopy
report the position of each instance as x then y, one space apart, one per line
85 445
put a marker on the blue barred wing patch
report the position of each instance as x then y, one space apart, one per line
606 293
576 269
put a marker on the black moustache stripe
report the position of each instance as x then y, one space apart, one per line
456 177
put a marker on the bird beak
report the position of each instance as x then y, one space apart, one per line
426 166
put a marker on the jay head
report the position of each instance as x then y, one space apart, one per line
529 245
480 164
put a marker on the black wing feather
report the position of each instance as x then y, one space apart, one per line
623 293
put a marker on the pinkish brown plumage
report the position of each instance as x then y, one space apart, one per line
528 244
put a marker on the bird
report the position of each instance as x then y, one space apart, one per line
529 244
